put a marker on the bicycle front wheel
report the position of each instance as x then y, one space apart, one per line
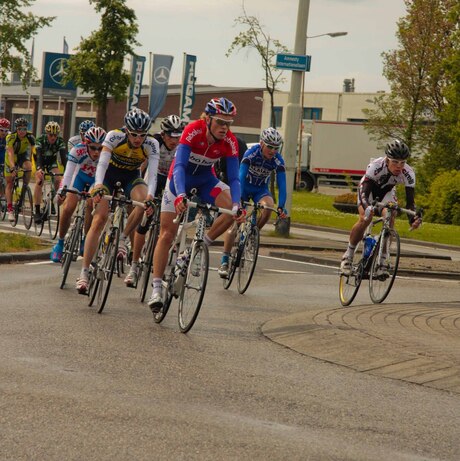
53 215
384 266
192 293
27 207
107 268
3 208
248 261
146 264
71 247
233 261
349 283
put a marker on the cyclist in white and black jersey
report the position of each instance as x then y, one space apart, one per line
379 183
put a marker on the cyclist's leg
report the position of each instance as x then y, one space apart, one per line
138 193
8 189
264 197
68 208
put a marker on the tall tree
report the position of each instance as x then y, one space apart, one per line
255 37
16 28
415 74
97 67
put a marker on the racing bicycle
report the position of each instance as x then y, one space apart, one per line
22 199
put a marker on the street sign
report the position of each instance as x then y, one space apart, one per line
53 74
300 62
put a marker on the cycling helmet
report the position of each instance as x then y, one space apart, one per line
95 134
138 120
20 122
86 125
52 128
172 125
396 149
5 123
220 106
271 137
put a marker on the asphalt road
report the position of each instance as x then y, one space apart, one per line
77 385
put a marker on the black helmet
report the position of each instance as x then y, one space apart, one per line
20 122
397 150
172 125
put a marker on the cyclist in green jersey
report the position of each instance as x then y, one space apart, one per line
20 146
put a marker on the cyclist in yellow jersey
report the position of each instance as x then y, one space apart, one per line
20 146
122 154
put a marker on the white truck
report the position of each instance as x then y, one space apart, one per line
335 154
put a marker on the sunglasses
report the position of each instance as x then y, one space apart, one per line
98 148
269 146
21 129
3 130
222 122
398 162
137 135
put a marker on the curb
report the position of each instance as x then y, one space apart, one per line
9 258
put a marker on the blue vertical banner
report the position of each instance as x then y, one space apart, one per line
187 98
161 69
137 73
52 76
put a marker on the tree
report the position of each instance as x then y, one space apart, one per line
97 67
16 28
416 75
254 37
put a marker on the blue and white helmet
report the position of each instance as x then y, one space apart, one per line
95 134
271 137
86 125
220 106
138 120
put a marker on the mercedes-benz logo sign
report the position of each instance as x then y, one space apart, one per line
57 70
161 75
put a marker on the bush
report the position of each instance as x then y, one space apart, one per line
443 201
350 198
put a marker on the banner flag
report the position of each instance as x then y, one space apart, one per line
161 69
187 98
65 47
137 73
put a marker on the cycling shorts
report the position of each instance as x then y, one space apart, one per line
256 193
129 179
208 188
81 181
19 160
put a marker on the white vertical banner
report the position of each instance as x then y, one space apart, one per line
187 98
137 73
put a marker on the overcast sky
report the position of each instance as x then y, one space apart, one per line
206 29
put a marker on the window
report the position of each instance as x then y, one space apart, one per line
312 113
278 111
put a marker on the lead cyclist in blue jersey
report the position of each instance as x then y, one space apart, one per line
256 166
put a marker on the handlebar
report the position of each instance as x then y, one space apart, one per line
395 207
203 206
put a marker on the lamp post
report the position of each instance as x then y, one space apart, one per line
299 173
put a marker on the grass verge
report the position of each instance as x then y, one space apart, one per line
14 243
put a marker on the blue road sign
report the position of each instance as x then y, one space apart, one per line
53 73
300 62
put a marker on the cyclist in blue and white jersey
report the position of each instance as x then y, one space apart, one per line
80 137
379 183
79 175
202 144
256 166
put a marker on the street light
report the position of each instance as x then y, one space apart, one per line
330 34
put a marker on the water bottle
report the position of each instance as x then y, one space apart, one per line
182 262
369 243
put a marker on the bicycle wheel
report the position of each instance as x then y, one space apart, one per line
385 264
44 215
248 261
107 268
27 207
71 247
192 293
233 261
349 284
53 215
145 268
168 283
2 208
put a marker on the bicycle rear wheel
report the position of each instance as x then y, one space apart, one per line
95 268
385 264
71 248
44 216
168 282
3 208
53 215
233 261
145 267
248 261
107 268
349 284
27 207
191 296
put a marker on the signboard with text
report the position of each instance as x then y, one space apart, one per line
54 65
300 62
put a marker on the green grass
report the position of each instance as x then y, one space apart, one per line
317 210
13 243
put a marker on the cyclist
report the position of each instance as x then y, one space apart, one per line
379 183
49 151
168 140
5 126
202 143
256 166
20 146
79 175
123 153
80 137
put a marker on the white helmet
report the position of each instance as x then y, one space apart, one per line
271 137
172 126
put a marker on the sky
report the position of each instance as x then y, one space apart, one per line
206 28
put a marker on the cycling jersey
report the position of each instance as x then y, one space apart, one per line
46 153
124 158
195 158
73 141
80 169
379 182
255 173
22 148
166 155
